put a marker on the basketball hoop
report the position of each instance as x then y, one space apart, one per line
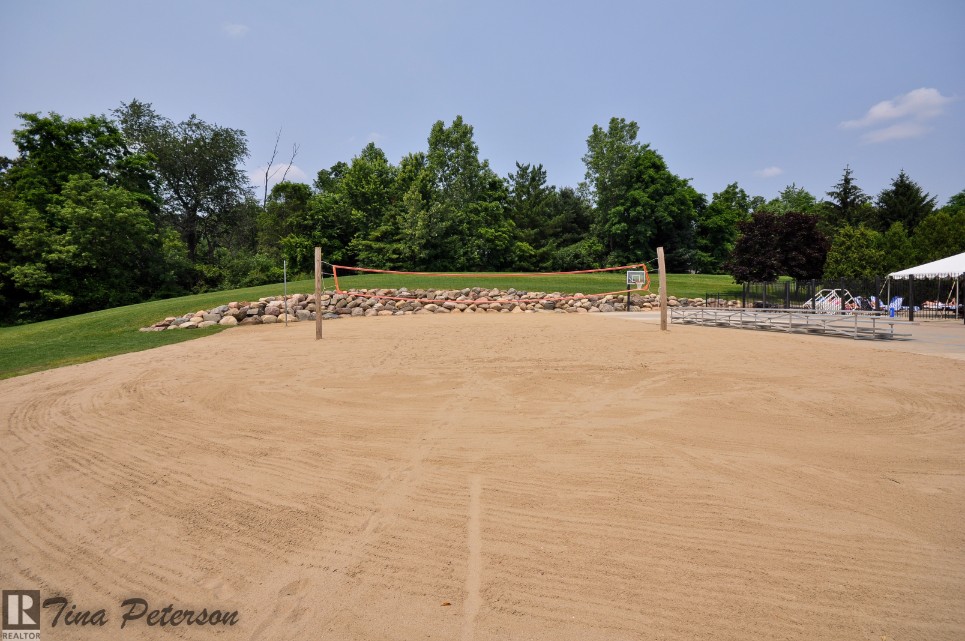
638 278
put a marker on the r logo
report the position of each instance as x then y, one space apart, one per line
21 610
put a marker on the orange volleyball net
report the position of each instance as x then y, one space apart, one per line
419 286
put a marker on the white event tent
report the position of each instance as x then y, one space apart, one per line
951 267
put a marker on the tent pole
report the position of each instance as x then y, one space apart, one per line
911 297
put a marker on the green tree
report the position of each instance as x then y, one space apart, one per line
398 241
10 212
354 203
609 153
470 228
855 253
328 222
904 202
443 209
898 251
639 203
112 247
940 235
956 202
717 227
370 193
52 149
570 244
76 194
286 209
202 181
791 199
235 261
95 246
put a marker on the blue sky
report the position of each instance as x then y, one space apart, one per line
762 93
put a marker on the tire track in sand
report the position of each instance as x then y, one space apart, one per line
474 569
392 494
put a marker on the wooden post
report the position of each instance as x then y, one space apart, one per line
663 289
318 293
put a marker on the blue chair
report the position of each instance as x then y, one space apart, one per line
895 305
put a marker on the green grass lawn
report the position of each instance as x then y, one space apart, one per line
87 337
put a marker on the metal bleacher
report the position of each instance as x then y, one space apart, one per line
852 324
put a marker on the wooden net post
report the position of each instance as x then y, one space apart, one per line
663 289
318 293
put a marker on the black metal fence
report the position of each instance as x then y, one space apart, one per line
932 298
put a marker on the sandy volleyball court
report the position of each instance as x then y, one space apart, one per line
494 477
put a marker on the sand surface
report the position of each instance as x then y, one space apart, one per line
546 477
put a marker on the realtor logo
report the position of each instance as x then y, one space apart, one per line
21 612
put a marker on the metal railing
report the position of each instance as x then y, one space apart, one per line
855 325
913 299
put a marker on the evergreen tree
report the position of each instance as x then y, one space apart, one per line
529 202
847 202
904 202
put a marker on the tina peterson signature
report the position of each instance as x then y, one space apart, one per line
135 610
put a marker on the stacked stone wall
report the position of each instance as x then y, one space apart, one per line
400 302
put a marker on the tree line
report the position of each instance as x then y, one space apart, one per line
111 210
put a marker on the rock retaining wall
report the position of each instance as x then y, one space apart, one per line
391 302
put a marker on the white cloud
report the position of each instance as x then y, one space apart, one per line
907 113
236 30
769 172
375 137
897 131
257 175
921 104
